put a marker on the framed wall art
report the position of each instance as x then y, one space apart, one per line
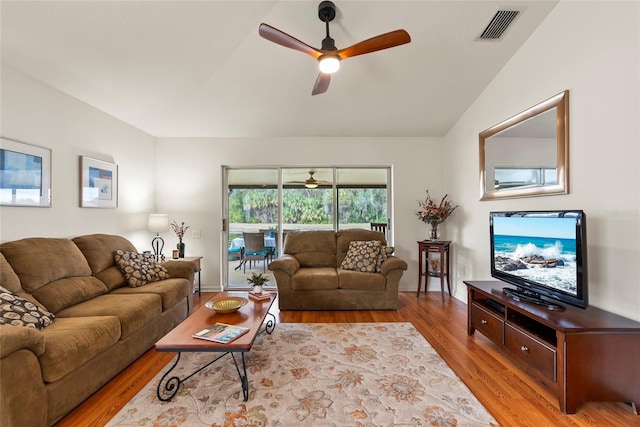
98 183
25 174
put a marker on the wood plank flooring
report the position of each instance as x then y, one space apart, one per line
512 396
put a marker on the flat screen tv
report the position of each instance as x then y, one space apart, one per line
542 253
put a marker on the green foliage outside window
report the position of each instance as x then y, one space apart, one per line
308 206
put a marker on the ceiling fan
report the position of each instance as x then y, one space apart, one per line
329 56
310 182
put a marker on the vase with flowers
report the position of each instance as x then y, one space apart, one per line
434 213
180 230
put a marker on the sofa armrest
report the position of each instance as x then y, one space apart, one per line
181 269
393 263
14 338
287 263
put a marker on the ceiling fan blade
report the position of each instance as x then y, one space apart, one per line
383 41
322 84
274 35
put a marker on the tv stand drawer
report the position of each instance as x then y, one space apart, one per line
533 352
487 323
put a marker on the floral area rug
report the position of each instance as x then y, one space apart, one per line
317 374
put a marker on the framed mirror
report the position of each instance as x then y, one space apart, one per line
527 154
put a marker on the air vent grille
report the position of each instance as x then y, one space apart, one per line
498 25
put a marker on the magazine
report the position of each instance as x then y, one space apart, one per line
221 332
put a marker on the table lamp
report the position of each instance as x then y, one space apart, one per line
158 223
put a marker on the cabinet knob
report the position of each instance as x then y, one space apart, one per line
524 348
484 322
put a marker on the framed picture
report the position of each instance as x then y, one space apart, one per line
98 183
25 174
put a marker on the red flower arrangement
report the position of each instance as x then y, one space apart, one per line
433 213
180 230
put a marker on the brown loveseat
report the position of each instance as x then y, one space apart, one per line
101 324
309 277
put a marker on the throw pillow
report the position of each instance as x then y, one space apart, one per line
17 311
140 269
385 252
362 256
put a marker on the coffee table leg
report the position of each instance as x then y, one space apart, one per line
243 376
171 386
270 325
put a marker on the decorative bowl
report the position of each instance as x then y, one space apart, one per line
226 304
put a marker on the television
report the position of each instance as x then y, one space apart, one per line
542 253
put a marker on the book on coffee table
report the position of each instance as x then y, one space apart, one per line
262 296
221 332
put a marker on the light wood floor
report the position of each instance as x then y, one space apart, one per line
513 397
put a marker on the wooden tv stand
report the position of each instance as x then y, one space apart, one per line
585 355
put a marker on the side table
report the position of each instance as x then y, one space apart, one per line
196 261
429 266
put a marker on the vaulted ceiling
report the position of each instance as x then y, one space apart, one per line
200 69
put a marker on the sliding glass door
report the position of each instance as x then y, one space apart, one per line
275 201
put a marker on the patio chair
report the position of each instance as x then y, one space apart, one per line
379 226
254 250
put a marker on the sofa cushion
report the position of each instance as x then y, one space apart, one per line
312 248
99 250
315 279
40 262
355 280
64 293
18 311
10 281
133 311
140 269
362 256
70 342
385 253
172 291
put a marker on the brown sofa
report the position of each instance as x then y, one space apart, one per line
101 324
309 277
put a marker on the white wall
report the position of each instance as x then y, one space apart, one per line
190 183
592 49
34 113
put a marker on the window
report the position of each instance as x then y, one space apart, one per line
280 199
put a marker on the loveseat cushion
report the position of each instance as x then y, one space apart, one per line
356 280
54 271
315 279
139 269
69 342
312 248
133 311
17 311
99 250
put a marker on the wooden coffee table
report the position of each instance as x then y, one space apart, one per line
252 315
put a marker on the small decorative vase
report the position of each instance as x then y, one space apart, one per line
433 233
257 289
180 250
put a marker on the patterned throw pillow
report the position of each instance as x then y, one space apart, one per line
140 269
17 311
362 256
385 252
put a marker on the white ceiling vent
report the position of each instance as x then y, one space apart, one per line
499 24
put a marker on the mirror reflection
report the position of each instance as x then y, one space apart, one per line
527 155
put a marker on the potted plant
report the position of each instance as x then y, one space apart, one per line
257 280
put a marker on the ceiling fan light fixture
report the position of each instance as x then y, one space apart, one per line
329 64
311 184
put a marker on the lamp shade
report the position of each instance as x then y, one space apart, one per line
158 223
